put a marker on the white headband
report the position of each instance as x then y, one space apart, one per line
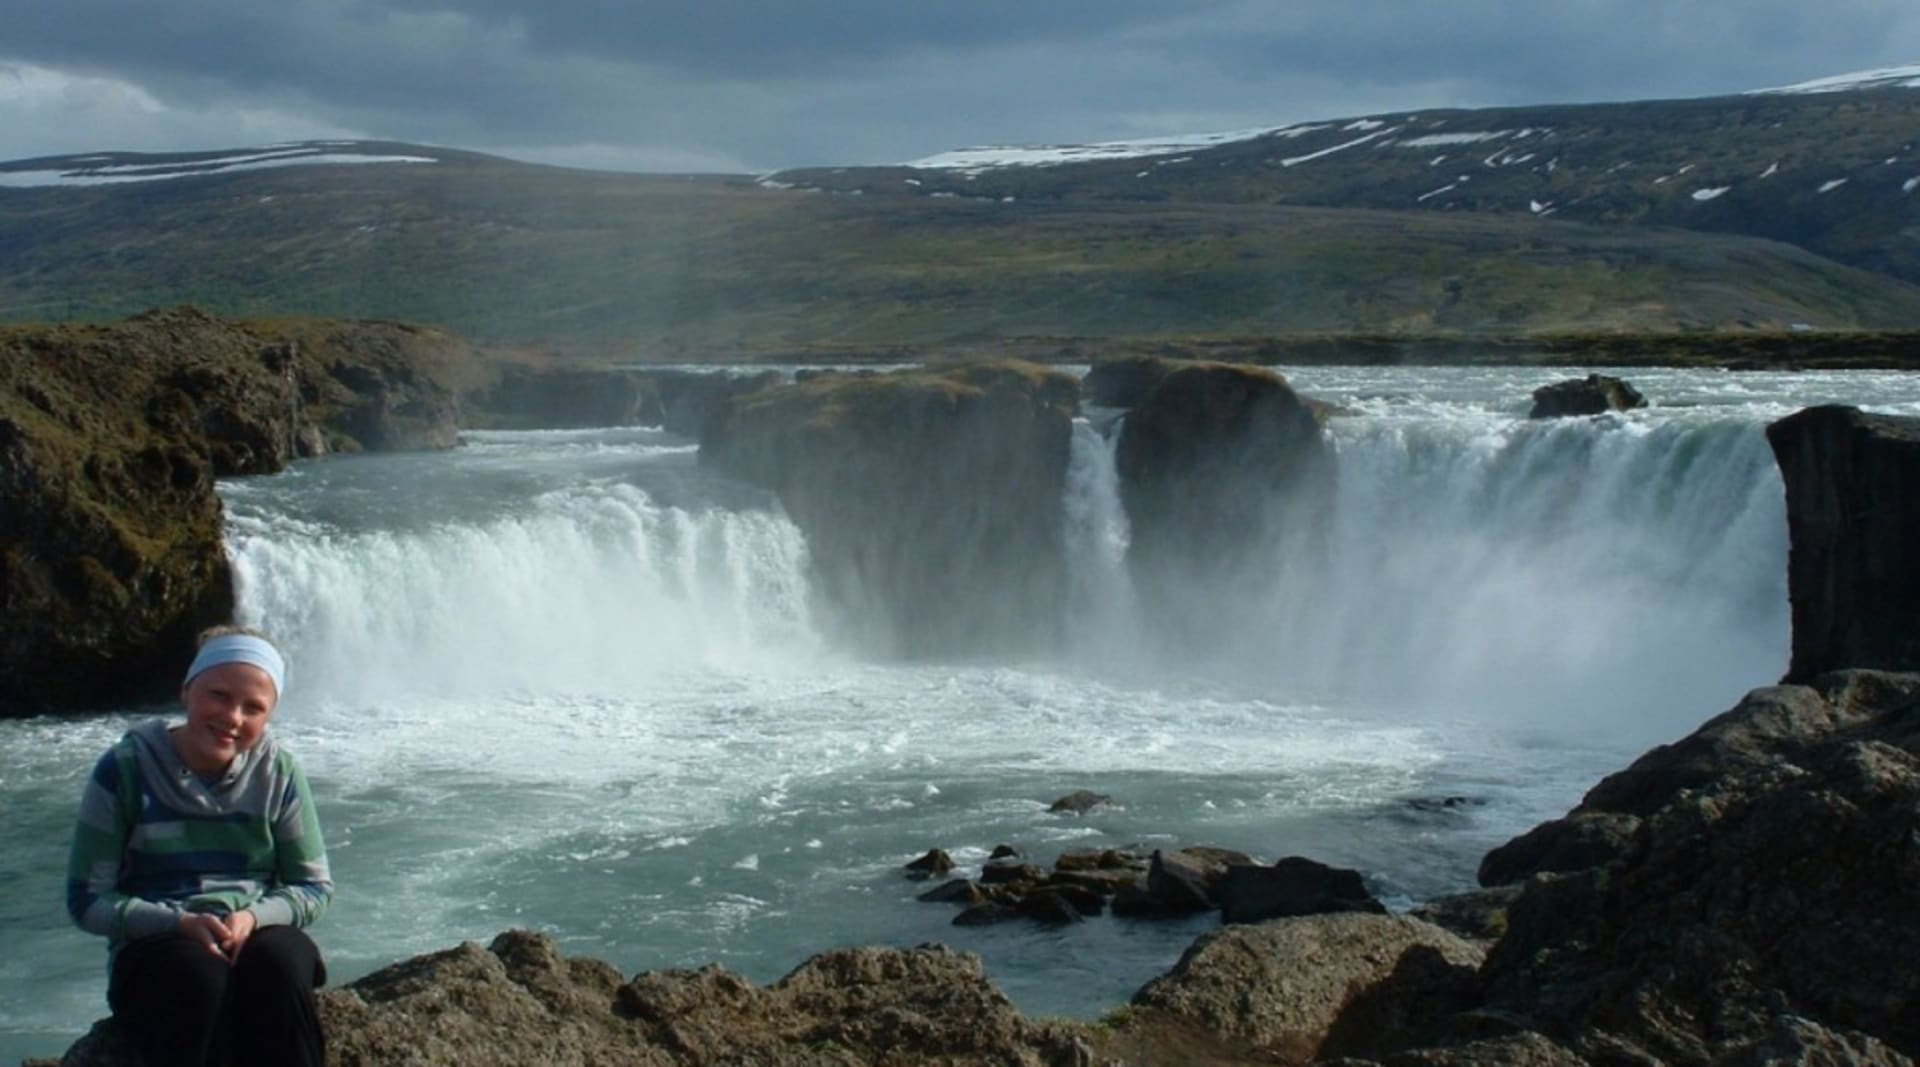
241 648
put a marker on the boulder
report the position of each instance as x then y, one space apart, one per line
1180 882
1124 381
1222 469
1853 519
1078 802
1294 885
931 501
1298 989
1595 394
1771 876
1477 915
936 861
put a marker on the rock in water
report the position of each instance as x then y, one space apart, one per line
1078 802
1223 469
1853 523
1294 885
1595 394
931 501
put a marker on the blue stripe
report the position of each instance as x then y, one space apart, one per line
80 897
147 865
106 774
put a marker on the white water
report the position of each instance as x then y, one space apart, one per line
569 680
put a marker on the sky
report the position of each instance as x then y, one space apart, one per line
760 85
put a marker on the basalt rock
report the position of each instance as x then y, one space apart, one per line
111 556
1294 885
568 397
931 502
690 398
1853 519
1223 469
1595 394
1771 876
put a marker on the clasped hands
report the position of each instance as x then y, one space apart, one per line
223 936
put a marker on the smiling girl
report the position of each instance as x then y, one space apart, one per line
198 856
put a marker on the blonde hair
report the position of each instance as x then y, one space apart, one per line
228 630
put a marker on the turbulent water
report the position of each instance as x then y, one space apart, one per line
568 680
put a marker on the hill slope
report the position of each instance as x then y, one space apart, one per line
722 267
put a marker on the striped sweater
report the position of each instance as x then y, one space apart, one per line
154 840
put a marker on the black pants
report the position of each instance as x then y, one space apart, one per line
181 1004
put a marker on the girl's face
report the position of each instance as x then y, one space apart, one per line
227 711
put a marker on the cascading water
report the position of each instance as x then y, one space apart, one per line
571 681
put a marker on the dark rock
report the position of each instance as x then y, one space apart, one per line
919 489
1079 802
954 891
1004 871
1771 876
1853 519
1593 395
1125 381
689 399
1480 915
1579 841
1104 882
1050 907
1292 886
1100 859
987 914
1324 985
935 862
566 397
1081 899
1441 805
1222 469
1001 852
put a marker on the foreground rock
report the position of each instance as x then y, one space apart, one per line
1596 394
1763 868
931 501
1853 517
110 437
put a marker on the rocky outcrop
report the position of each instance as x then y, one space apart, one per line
1322 986
689 398
110 438
1124 381
931 501
1596 394
1222 470
1770 875
1853 519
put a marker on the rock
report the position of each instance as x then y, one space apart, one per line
935 862
1479 915
567 397
1178 882
1100 859
1222 469
1294 885
111 549
688 399
1052 907
987 913
1319 986
1575 843
1124 381
1853 518
1771 876
1001 852
1004 871
521 1002
1593 395
1078 802
915 490
954 891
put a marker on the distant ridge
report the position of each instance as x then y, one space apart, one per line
113 168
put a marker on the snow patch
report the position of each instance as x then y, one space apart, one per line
1772 169
1883 78
988 157
78 172
1910 184
1430 194
1436 140
1704 195
1828 187
1363 125
1324 152
1539 208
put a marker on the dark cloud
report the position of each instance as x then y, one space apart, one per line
769 83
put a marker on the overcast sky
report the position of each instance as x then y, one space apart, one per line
756 85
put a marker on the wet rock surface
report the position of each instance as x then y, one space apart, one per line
1596 394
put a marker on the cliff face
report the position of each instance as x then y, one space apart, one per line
1853 574
931 501
110 438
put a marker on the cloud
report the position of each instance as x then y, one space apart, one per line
761 84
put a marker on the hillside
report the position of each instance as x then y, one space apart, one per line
1836 171
1752 214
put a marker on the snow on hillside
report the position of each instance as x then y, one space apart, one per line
109 170
990 156
1884 78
